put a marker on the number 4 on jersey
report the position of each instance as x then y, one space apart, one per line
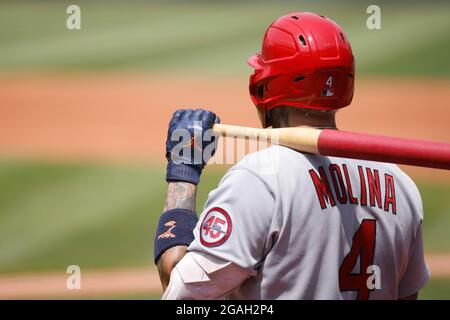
363 247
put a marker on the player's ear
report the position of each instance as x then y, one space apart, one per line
278 117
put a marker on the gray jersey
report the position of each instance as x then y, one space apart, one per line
314 227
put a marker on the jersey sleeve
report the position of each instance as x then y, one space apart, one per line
236 220
197 277
416 274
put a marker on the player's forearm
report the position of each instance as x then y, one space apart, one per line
168 261
177 222
180 195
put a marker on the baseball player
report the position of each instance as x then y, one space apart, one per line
316 227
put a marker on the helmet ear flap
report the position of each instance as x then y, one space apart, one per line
261 90
259 93
258 89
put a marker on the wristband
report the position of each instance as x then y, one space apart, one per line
183 173
175 228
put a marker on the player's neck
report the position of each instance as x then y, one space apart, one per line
324 121
291 117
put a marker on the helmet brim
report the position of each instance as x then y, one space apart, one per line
254 61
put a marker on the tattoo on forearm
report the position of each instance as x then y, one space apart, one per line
181 195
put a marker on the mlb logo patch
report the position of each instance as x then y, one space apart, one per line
327 93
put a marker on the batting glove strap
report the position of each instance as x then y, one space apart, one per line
183 173
175 228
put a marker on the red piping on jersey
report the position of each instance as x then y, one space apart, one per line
386 149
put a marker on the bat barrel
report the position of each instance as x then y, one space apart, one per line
421 153
353 145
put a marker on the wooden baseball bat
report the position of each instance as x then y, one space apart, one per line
345 144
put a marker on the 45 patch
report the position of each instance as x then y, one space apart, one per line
215 228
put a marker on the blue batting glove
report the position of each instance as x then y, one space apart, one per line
190 144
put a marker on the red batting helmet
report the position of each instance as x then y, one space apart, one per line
306 62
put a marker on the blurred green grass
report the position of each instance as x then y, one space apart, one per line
99 216
214 37
96 216
436 289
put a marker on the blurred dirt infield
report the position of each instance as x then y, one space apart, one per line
123 117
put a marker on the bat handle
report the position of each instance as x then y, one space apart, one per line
299 138
240 132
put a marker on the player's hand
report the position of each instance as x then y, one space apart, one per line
190 144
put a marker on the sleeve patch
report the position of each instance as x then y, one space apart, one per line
215 228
